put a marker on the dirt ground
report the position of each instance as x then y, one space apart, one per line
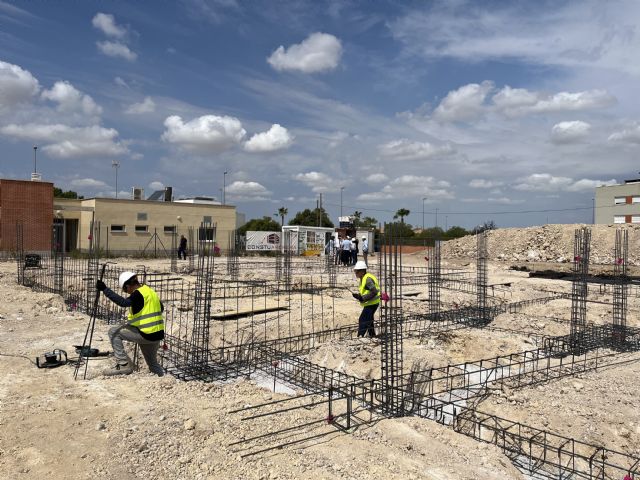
143 426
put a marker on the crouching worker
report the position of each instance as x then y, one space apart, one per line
145 326
369 298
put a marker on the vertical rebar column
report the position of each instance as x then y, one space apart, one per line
330 268
232 256
579 285
391 323
58 257
191 248
92 264
278 264
174 249
20 252
620 287
286 267
199 357
481 278
435 281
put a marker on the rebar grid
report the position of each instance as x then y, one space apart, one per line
620 286
57 242
92 262
232 256
391 349
579 288
287 252
481 278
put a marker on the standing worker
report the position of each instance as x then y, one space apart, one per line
346 252
369 298
145 326
365 248
182 248
354 250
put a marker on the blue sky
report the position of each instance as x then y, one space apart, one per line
480 108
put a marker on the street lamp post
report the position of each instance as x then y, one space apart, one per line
116 164
341 190
224 188
423 199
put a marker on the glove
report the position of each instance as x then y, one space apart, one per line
357 296
101 286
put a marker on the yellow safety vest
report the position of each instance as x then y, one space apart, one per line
149 319
363 290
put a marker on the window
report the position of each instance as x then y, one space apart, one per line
635 218
142 228
207 219
206 234
618 219
619 200
142 217
169 229
635 199
118 229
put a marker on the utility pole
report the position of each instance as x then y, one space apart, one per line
35 161
436 217
423 199
320 223
341 190
593 211
224 188
116 164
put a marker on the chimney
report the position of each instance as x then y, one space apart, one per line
168 194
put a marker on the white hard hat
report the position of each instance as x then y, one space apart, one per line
360 265
124 278
348 237
364 237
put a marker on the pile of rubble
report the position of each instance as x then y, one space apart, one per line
549 243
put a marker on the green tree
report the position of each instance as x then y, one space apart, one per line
455 232
432 232
282 211
400 229
401 213
309 218
368 222
59 193
264 224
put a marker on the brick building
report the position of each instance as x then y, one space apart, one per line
30 204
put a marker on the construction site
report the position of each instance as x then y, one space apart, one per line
486 364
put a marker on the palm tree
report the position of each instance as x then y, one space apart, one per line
356 218
403 212
282 211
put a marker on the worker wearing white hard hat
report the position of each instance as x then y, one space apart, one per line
369 297
345 252
145 324
365 248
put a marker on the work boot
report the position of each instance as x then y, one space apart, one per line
124 369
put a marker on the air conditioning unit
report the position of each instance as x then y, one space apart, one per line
137 193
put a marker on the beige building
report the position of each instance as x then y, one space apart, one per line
618 203
134 226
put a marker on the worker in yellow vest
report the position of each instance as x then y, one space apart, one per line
145 326
369 298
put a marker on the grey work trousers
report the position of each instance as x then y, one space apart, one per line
148 348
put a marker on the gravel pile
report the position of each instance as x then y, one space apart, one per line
549 243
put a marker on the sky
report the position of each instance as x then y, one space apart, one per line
467 111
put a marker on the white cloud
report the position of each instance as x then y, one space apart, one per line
544 182
276 138
630 134
16 85
376 178
317 53
209 133
146 106
63 141
319 182
116 49
154 186
505 200
106 23
406 150
71 100
240 190
86 183
465 103
519 101
570 132
482 183
120 82
407 186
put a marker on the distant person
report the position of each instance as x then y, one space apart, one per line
365 249
329 247
182 248
145 326
369 298
338 246
354 250
346 252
